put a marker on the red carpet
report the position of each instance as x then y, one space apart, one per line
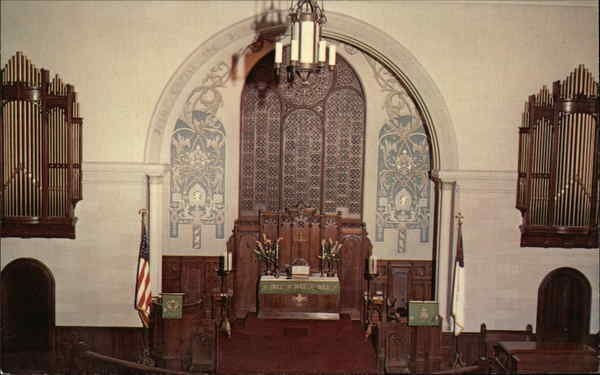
273 346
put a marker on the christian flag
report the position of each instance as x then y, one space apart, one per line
458 300
143 293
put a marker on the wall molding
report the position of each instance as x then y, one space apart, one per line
485 181
121 172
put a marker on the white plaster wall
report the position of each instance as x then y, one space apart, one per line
502 279
95 273
485 57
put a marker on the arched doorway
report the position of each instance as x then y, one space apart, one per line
27 293
563 312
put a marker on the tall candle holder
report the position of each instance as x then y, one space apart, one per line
267 252
330 257
373 301
224 297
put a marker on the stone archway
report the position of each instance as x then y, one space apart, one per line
358 34
212 64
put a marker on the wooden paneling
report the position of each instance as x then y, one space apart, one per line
352 272
563 313
188 343
246 273
401 348
475 347
174 340
403 280
519 357
411 349
119 342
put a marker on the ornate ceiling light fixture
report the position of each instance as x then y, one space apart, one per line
306 52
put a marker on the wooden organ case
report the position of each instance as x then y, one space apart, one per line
40 152
302 145
557 188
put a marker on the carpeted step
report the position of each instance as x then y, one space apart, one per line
291 327
296 347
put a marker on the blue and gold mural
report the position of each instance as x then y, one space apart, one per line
403 185
198 160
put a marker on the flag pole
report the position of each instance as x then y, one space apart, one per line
144 213
459 258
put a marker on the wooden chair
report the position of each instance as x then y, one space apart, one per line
488 340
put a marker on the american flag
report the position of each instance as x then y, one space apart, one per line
143 293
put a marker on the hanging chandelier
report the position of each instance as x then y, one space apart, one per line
306 53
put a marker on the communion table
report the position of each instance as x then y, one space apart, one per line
315 297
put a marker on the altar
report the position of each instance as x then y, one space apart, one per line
316 297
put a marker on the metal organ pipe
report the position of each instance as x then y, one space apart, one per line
561 169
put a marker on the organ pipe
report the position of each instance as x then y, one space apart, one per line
558 167
40 153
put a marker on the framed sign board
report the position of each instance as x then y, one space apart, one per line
423 313
172 305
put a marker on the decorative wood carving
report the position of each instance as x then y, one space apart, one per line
402 348
404 280
40 152
398 350
188 343
410 349
302 143
302 231
557 188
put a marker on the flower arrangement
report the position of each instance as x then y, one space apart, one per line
267 251
330 256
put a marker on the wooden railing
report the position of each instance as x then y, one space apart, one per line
461 370
88 362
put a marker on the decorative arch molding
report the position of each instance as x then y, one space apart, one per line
361 35
212 62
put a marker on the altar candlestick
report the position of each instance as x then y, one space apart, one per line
229 261
278 52
332 55
294 50
322 51
372 265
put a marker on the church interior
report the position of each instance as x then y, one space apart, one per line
299 187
